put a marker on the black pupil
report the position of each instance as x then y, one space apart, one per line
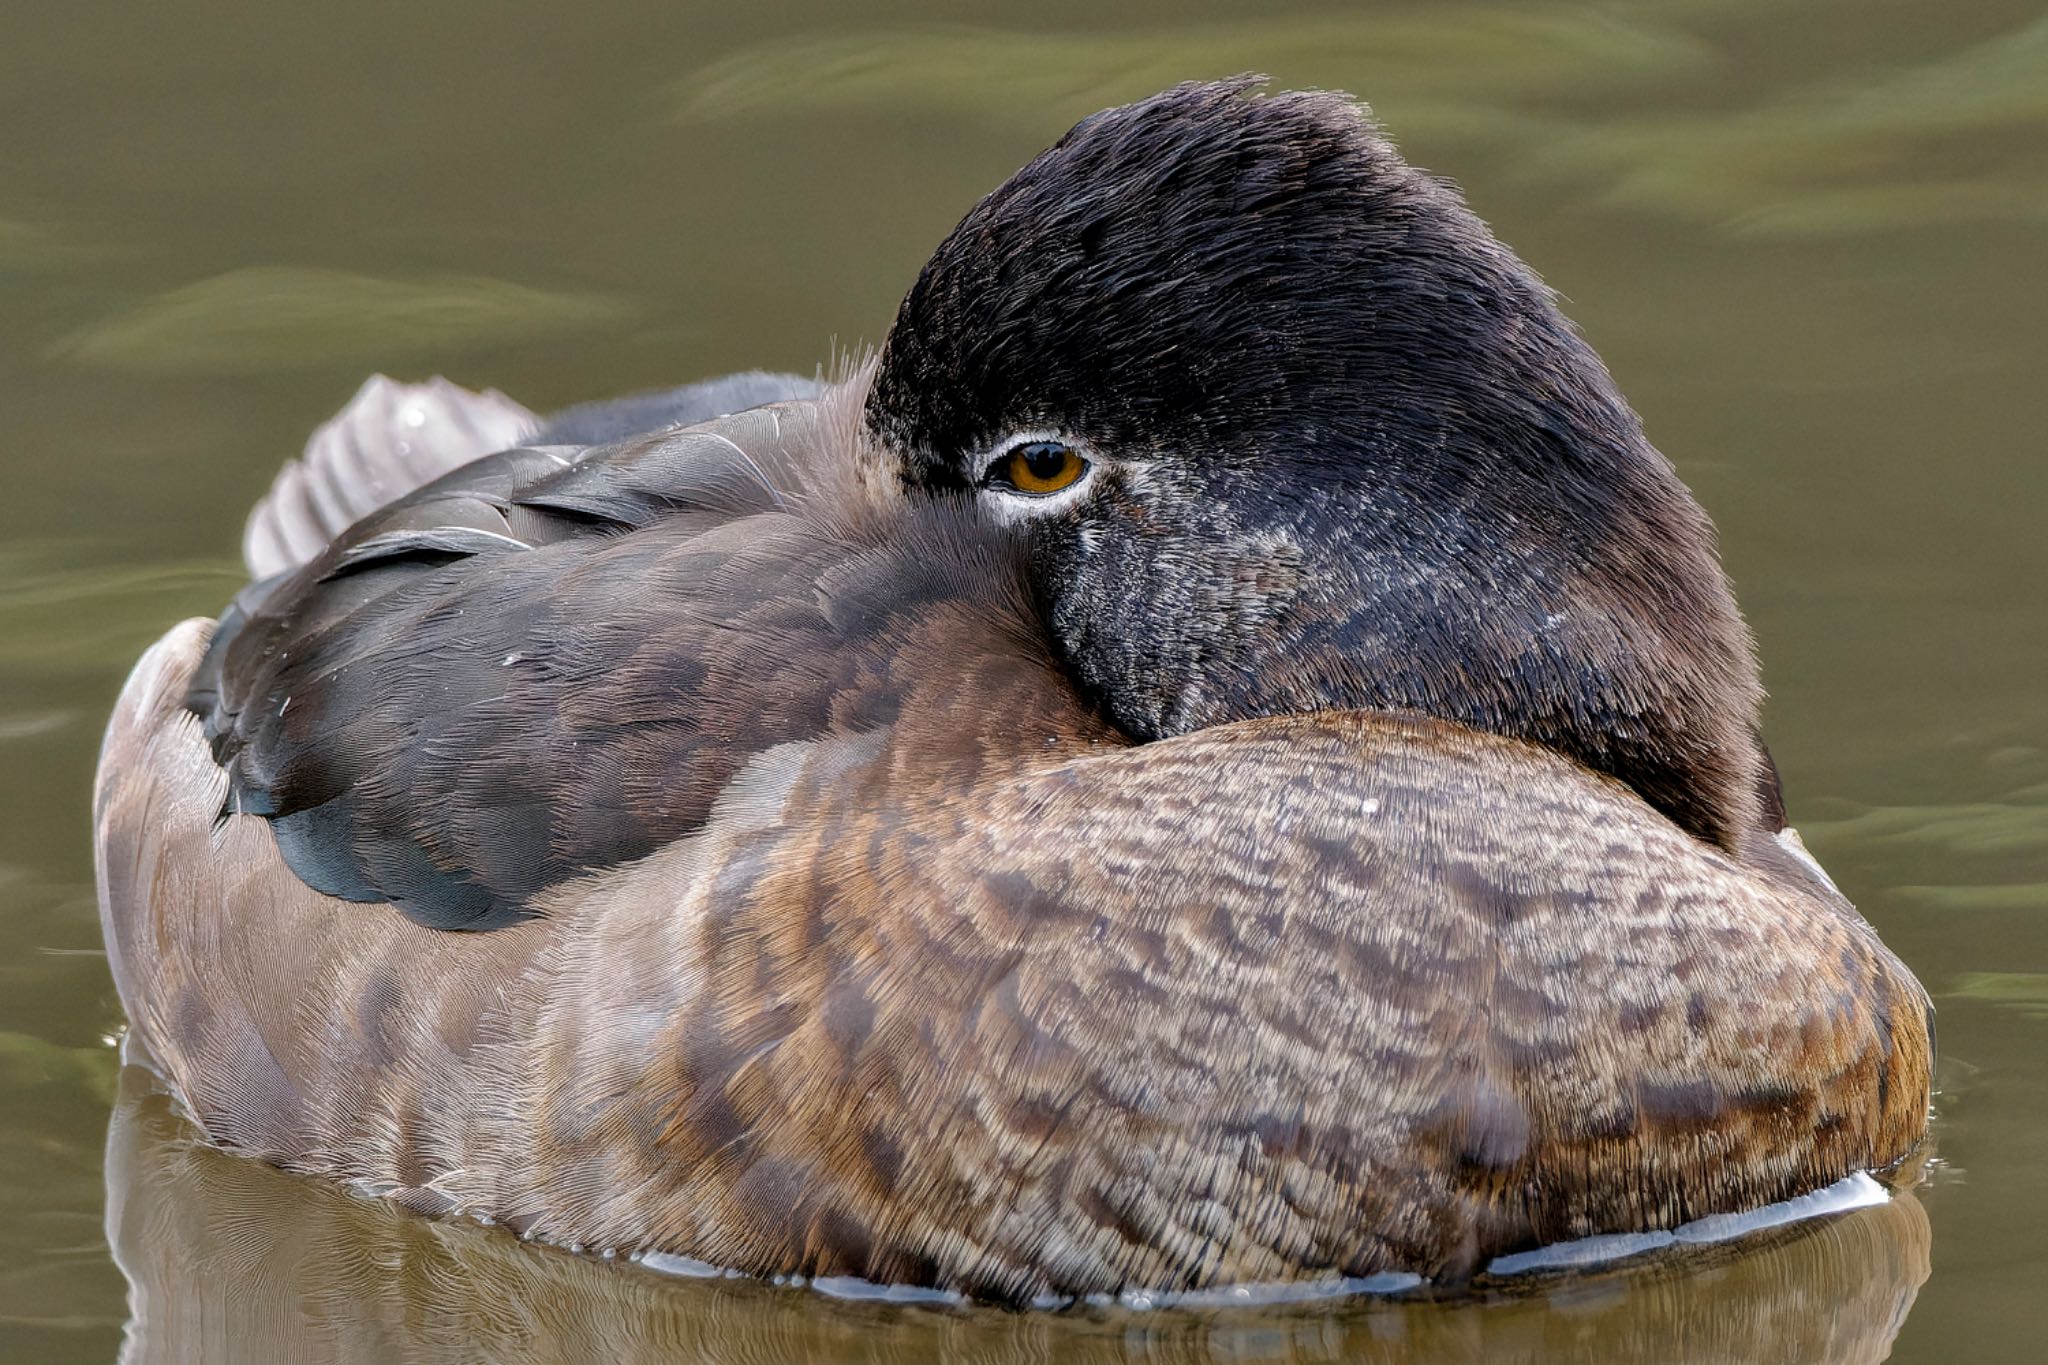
1044 459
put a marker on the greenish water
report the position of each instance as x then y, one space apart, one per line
1812 242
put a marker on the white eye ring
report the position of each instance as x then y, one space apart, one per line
1012 503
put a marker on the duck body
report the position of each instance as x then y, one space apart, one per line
724 842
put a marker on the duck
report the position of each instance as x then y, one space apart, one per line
1218 756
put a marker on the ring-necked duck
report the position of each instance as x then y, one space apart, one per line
1221 755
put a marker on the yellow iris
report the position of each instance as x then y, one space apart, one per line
1042 467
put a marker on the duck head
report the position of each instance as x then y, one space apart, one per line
1284 428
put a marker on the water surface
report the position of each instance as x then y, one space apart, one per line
1808 239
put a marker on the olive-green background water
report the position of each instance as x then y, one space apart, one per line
1811 240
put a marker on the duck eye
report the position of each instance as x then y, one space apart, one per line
1037 468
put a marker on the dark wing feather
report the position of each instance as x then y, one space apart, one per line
614 419
543 662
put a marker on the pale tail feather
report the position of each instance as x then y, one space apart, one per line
389 440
